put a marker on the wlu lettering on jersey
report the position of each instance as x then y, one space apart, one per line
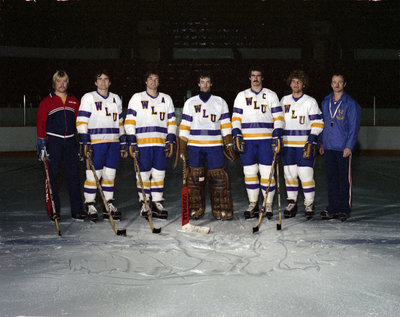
287 108
154 112
197 108
249 102
145 104
114 114
99 105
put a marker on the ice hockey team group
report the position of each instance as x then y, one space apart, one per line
260 129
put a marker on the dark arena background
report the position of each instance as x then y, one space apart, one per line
310 268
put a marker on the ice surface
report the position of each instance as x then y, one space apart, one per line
309 268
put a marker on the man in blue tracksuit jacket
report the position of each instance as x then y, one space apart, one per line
342 116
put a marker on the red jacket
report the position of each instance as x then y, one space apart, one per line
55 118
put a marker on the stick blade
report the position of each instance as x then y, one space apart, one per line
156 230
121 232
256 229
278 226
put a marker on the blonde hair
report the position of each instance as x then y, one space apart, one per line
60 74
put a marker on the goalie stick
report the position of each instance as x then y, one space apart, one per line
46 168
257 228
149 218
186 226
121 232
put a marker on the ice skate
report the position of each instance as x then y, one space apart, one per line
113 211
92 212
158 211
252 211
291 209
309 210
268 211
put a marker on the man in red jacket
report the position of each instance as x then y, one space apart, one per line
56 141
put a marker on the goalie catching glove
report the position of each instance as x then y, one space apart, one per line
229 151
309 149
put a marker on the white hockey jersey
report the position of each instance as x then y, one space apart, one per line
205 123
101 117
150 119
302 117
257 114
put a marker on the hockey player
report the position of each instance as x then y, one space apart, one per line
258 124
56 141
204 137
303 124
101 132
150 126
342 116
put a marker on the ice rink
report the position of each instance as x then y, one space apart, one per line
309 268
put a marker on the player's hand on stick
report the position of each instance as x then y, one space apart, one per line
123 147
85 146
133 147
41 149
238 142
309 149
170 145
277 140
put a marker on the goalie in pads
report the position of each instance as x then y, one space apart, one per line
205 136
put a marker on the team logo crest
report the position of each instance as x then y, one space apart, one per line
339 115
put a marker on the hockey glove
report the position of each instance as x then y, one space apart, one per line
133 148
85 146
41 149
309 149
238 142
123 147
277 140
170 145
229 151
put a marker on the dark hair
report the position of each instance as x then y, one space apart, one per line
151 72
299 74
100 72
204 75
339 74
255 69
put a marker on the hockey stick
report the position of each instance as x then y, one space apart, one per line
257 228
121 232
186 226
146 204
51 195
278 225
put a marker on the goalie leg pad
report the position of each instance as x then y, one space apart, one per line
220 194
196 181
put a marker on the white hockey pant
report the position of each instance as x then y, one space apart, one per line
306 175
253 183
